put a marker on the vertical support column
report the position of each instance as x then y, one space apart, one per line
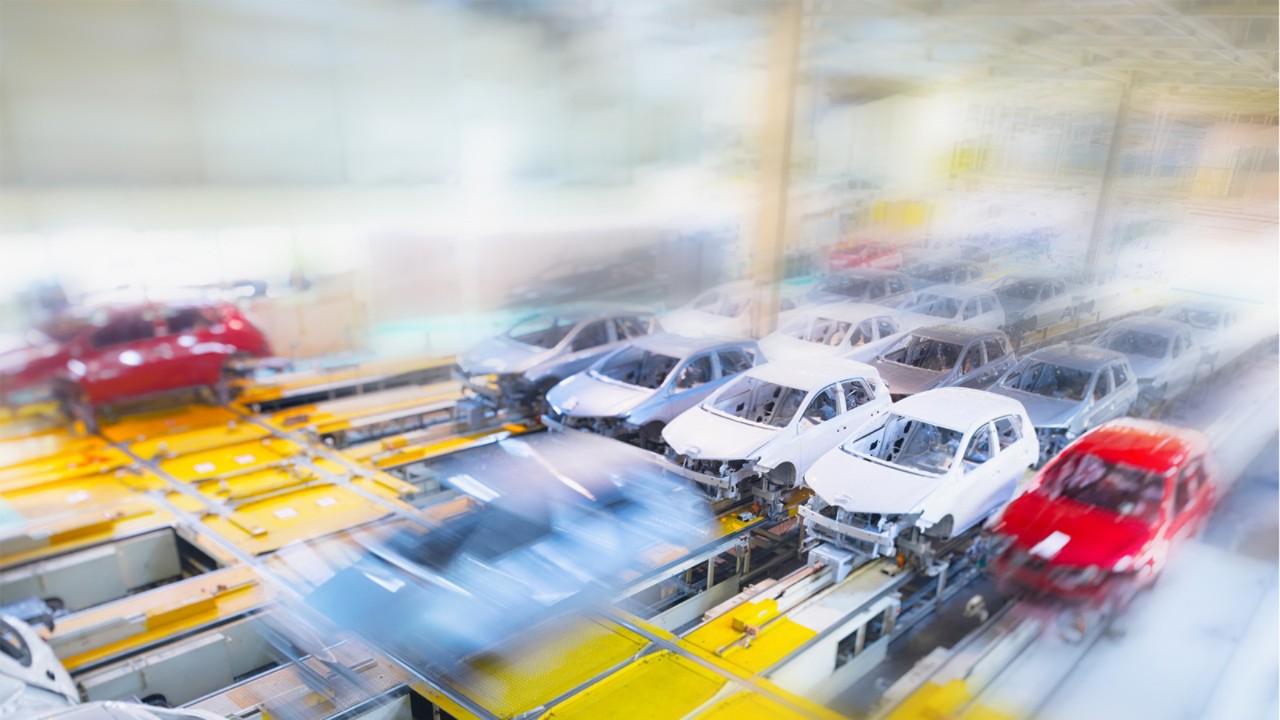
1106 193
711 572
775 167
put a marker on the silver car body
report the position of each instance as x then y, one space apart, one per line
882 287
593 400
1222 331
1068 389
974 306
1032 302
851 330
1162 352
509 367
947 355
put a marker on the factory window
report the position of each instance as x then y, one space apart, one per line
590 336
697 372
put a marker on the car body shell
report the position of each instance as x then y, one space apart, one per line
1060 419
968 305
1069 549
720 451
870 329
1161 372
865 254
985 357
1223 331
927 273
1033 302
590 400
125 351
863 502
509 373
722 311
881 287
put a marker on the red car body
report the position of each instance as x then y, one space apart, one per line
865 255
1105 512
124 351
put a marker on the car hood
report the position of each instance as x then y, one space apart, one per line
1044 411
501 355
584 396
695 323
860 485
701 433
907 380
785 347
1092 536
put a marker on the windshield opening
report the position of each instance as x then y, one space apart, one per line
544 331
638 367
911 444
1122 489
760 402
850 287
1136 342
1049 380
938 306
925 353
1020 290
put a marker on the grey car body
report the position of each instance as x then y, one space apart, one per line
1032 302
943 272
1068 389
515 368
1163 353
950 355
881 287
637 405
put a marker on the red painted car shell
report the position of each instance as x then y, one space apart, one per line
865 255
131 350
1055 541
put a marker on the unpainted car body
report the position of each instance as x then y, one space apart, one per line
939 356
633 392
1033 302
516 369
974 306
117 352
722 311
1068 389
882 287
771 423
933 466
1104 515
1162 353
851 330
943 272
1223 331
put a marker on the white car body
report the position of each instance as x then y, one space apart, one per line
1162 352
850 330
722 311
965 304
889 478
720 450
1223 332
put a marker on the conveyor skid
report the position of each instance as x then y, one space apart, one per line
289 389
